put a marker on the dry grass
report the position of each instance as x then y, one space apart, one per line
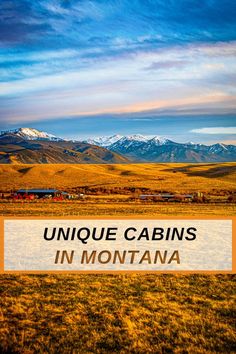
102 209
118 314
167 177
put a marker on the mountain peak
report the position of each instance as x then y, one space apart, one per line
219 147
104 140
160 140
137 137
31 134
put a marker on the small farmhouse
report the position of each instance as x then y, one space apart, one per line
42 193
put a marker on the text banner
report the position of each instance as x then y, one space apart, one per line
116 245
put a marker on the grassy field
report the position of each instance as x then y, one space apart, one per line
119 209
118 313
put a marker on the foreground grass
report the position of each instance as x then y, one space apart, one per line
117 313
74 208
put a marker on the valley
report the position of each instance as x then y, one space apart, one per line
114 190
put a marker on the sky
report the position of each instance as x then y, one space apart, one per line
85 68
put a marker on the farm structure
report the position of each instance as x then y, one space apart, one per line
167 197
40 193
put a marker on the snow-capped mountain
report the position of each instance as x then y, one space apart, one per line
29 146
107 141
135 147
136 137
159 149
31 134
158 140
216 148
110 140
128 141
104 140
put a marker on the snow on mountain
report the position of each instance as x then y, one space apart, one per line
160 149
107 141
141 148
219 147
127 142
137 137
158 140
143 145
104 140
31 134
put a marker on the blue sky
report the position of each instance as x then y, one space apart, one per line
80 68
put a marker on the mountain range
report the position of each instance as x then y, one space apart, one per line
27 145
158 149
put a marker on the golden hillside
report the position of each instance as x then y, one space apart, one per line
171 177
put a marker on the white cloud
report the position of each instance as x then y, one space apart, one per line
215 130
70 83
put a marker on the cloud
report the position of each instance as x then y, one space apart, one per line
167 64
75 58
53 23
215 130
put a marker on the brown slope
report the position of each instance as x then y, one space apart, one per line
17 150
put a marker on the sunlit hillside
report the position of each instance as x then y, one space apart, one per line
177 177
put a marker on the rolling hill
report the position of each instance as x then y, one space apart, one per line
155 177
